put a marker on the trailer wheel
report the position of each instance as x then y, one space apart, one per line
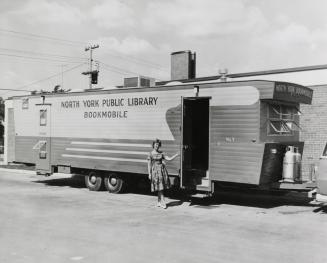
93 181
114 183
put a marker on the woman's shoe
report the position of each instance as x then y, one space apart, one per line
163 205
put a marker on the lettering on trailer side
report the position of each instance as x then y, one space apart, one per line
70 104
142 101
91 103
292 92
105 114
114 104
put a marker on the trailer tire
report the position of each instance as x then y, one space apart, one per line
114 183
93 181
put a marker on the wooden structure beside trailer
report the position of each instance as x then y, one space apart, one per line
226 132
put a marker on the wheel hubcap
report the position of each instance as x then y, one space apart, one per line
93 179
113 180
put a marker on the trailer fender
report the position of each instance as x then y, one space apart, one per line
321 198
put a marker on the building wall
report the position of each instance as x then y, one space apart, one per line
313 122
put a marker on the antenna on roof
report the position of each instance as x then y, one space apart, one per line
223 75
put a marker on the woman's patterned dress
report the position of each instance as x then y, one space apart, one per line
159 174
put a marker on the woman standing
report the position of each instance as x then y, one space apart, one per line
158 173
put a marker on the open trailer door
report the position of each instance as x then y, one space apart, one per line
194 141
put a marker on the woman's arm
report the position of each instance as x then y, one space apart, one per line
167 158
149 168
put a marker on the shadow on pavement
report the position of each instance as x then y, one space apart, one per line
18 166
74 181
250 198
174 203
253 199
322 209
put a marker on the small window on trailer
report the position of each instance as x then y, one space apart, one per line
281 119
43 117
278 127
25 103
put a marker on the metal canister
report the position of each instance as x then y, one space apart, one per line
289 164
297 165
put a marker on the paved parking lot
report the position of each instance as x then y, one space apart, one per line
56 219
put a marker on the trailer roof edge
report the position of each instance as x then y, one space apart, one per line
173 84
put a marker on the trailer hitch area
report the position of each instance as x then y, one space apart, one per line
321 198
312 193
318 198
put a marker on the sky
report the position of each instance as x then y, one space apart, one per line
42 42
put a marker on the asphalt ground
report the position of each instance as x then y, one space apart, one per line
56 219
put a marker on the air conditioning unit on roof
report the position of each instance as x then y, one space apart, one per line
139 82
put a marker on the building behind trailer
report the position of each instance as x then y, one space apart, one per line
314 129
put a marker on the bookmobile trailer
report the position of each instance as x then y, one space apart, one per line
226 132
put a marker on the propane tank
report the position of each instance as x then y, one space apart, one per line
297 166
288 165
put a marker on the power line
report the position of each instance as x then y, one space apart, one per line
36 58
42 36
30 36
40 53
38 40
115 71
47 78
119 71
139 61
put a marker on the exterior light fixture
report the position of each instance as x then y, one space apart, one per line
196 91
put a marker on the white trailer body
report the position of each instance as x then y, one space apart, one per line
217 128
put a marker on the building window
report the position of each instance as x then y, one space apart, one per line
25 104
281 120
43 117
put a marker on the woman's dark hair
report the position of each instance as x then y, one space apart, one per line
156 141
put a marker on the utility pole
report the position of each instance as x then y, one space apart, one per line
93 73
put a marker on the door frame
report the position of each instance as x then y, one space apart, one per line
182 132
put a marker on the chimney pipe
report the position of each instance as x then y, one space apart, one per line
183 65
